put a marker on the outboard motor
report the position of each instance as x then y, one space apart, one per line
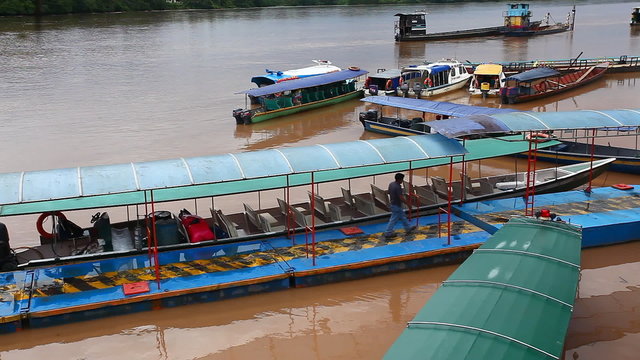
8 260
243 116
373 90
404 88
237 113
417 89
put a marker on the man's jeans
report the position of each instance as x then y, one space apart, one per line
397 214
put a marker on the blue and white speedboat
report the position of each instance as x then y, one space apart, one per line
273 76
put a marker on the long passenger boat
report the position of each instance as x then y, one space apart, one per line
619 64
512 298
292 96
376 120
140 188
542 82
572 152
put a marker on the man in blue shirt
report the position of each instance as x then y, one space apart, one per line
397 212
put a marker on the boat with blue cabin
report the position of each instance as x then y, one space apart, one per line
399 124
293 96
272 77
387 81
517 22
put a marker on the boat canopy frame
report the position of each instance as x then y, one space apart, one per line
569 124
199 177
434 107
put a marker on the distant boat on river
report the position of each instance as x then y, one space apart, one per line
517 22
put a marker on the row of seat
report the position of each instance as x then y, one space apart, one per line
349 206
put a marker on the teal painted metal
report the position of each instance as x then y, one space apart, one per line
189 178
512 299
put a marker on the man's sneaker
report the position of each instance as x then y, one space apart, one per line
389 236
412 229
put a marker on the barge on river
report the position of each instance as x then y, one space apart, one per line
413 26
293 96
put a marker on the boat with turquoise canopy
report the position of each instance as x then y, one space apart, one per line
511 299
139 189
293 96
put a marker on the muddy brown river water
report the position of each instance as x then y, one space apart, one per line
110 88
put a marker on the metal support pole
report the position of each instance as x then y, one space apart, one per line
155 242
450 193
313 220
593 149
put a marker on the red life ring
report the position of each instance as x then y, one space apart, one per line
40 221
428 82
367 82
537 137
389 85
401 81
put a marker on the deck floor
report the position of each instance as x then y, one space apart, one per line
72 288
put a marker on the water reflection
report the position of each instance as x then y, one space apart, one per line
359 319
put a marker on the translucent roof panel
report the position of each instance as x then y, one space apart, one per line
537 121
221 174
161 174
299 158
353 154
176 173
433 107
105 179
10 185
208 169
50 184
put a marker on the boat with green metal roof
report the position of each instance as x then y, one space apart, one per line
511 299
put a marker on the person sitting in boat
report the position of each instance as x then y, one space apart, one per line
297 97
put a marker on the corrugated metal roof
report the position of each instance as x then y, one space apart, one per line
434 107
178 179
306 82
537 121
512 299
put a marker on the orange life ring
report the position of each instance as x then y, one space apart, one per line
622 186
40 221
367 82
354 68
537 137
389 85
428 82
278 94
